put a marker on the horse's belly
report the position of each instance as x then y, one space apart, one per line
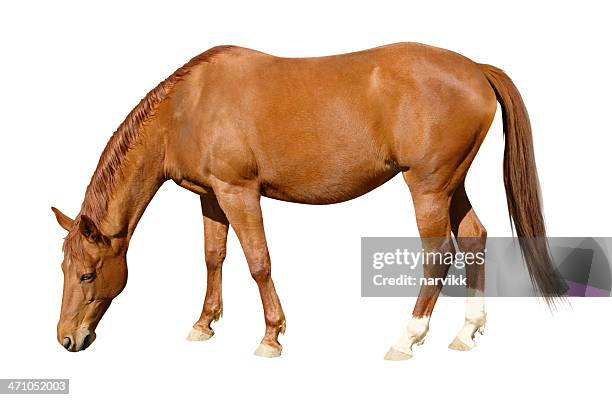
316 186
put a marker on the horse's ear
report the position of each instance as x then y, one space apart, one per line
62 219
91 232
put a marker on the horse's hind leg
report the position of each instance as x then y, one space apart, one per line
471 238
215 238
433 220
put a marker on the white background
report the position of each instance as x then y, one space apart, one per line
71 73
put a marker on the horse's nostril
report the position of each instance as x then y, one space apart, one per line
87 341
67 342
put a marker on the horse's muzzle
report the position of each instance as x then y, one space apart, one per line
80 341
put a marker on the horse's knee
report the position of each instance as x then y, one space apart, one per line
260 269
214 257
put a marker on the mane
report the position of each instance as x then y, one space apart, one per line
105 177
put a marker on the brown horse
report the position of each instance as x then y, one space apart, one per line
234 124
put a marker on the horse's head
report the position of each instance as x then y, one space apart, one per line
95 272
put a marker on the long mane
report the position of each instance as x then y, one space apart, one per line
105 177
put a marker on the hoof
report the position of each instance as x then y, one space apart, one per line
396 355
460 346
197 335
265 350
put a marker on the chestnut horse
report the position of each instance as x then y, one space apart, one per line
234 124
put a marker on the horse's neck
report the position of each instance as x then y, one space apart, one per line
137 179
138 185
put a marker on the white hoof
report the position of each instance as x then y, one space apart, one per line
395 355
460 345
265 350
197 335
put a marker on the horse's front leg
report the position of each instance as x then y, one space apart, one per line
241 205
215 238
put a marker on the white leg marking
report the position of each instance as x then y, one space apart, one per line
414 334
267 351
475 318
196 335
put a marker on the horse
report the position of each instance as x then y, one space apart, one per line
235 124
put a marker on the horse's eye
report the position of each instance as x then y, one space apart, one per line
88 277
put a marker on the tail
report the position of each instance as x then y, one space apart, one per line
522 187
